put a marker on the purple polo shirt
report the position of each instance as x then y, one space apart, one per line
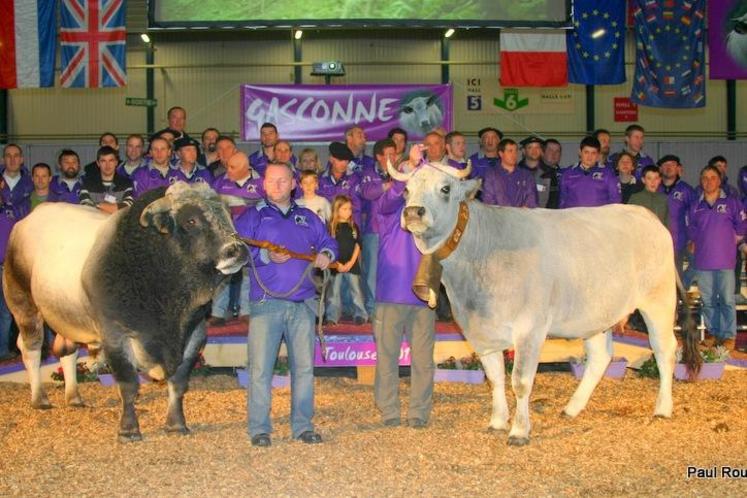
199 174
362 162
60 192
514 189
300 230
398 257
7 221
714 229
348 184
147 178
258 161
680 196
372 184
642 160
18 200
591 187
250 191
482 164
121 171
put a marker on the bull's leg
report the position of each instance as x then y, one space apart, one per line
127 380
664 344
69 368
495 370
179 382
597 360
522 378
30 341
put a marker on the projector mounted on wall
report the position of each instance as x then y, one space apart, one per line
329 68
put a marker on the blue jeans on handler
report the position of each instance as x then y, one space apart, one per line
273 320
335 297
719 310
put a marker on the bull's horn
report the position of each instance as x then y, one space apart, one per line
152 211
452 171
397 175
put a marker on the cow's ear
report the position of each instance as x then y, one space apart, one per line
471 187
158 214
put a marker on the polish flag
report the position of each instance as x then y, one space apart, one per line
533 58
28 40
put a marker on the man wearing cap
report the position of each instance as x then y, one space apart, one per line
588 183
545 176
680 197
507 184
186 168
156 171
400 313
339 180
488 157
634 138
276 314
65 187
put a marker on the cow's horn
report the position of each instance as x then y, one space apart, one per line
452 171
155 208
397 175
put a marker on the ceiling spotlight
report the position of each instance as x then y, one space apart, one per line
145 37
298 34
449 32
598 33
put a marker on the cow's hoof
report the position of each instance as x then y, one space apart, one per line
183 430
518 441
129 437
566 415
498 427
41 405
76 403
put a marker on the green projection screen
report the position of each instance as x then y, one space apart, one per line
374 13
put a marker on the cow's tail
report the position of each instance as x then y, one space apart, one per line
690 336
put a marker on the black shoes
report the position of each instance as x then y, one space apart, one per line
261 440
358 320
392 422
310 437
417 423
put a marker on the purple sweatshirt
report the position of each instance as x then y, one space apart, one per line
679 198
714 229
7 221
240 195
299 230
147 178
591 187
398 257
60 192
258 161
482 164
372 184
18 200
515 189
200 174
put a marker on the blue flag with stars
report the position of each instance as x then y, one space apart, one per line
670 61
596 43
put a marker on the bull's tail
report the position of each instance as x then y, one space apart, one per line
690 336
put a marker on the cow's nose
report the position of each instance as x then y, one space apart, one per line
415 211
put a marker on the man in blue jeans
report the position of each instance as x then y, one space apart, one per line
283 302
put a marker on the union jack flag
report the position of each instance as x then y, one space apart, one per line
92 39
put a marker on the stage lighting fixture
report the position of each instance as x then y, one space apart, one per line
329 68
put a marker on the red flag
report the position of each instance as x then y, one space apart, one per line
533 58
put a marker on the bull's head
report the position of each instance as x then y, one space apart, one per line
433 194
198 221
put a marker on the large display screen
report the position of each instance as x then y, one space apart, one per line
375 13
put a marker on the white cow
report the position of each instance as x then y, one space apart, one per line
519 275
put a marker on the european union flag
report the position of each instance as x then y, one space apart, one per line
670 60
596 43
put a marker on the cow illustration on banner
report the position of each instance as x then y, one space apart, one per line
321 113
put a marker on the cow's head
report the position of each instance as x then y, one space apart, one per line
199 224
433 194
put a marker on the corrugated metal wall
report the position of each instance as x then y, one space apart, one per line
202 71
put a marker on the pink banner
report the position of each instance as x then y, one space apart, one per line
323 112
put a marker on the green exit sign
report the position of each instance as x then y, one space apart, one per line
136 101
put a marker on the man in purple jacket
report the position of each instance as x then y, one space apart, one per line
279 309
65 187
680 196
634 138
268 137
15 183
715 225
507 184
399 311
587 183
487 158
156 172
355 139
187 169
340 180
375 181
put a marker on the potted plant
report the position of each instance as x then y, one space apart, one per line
82 373
280 376
468 370
615 370
714 361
